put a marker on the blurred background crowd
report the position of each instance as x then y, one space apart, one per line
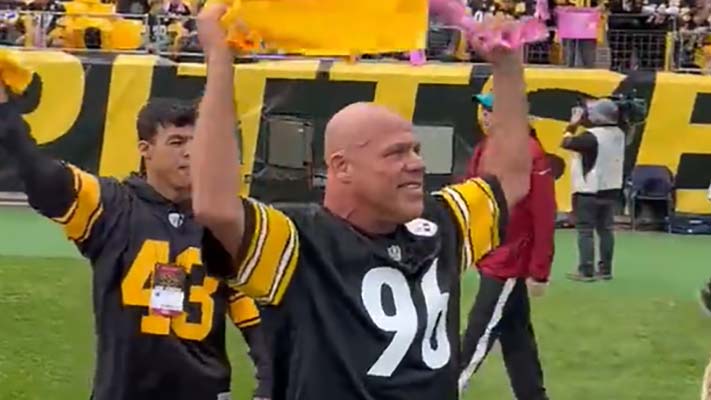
627 34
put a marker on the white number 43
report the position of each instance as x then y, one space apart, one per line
403 322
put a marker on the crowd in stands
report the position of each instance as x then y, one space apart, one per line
633 34
128 25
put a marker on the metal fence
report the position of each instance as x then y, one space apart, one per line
174 36
692 50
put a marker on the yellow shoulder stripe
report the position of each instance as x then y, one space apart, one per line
243 311
271 257
486 237
477 214
459 209
86 208
73 207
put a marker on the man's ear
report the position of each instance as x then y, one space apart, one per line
144 148
340 167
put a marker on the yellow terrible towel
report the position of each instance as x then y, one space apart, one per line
328 27
15 76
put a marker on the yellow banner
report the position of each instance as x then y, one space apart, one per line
84 111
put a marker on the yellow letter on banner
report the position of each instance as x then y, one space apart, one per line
596 83
62 78
397 84
250 83
129 90
669 134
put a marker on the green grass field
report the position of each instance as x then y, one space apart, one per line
641 336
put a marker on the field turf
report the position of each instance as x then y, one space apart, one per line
640 336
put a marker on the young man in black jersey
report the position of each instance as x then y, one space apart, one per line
362 293
159 319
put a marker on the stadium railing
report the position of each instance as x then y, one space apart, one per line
693 50
640 49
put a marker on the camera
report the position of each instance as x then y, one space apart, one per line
632 110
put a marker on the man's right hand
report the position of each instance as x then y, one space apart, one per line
212 36
576 115
535 288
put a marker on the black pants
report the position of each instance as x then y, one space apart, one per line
594 214
502 311
579 52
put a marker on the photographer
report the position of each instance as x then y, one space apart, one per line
597 168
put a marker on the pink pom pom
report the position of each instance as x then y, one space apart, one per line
417 57
452 12
529 31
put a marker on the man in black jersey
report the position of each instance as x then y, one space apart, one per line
159 319
362 293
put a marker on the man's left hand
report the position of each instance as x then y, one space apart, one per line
487 42
535 288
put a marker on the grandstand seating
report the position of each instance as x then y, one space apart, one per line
678 48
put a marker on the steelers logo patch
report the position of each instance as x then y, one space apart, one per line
422 227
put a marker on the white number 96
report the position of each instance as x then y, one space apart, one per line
403 322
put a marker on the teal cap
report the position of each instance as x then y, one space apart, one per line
485 99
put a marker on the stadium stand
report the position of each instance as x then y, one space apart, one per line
657 35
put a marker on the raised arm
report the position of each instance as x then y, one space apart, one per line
480 205
39 173
506 155
253 246
84 205
214 159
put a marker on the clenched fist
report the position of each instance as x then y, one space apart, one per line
491 37
212 36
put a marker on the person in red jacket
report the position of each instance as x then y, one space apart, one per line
521 264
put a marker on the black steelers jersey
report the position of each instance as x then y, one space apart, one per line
126 229
354 316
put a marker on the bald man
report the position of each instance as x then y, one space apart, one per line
361 294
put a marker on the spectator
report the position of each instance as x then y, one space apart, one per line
37 26
11 27
580 48
522 262
177 7
132 6
157 27
637 40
